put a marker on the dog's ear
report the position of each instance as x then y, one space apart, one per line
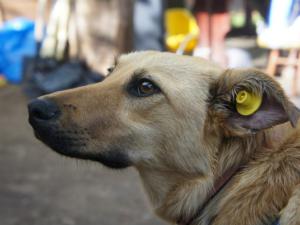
272 106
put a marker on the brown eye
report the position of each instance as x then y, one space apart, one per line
110 69
146 88
143 88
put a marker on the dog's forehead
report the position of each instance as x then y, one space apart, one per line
163 59
168 65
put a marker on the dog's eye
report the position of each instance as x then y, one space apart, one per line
110 69
144 88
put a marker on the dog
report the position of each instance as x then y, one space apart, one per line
174 119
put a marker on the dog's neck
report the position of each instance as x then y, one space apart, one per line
231 153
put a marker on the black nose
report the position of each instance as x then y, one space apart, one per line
43 109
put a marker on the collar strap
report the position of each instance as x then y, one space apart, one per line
218 186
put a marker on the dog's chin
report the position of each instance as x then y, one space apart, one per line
72 147
114 158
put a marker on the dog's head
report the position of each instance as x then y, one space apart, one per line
156 110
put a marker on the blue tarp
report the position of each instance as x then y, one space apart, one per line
16 41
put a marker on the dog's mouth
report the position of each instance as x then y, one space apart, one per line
67 142
74 142
44 117
69 139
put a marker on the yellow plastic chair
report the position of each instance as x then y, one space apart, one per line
182 30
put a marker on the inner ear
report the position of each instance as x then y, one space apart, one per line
269 114
275 108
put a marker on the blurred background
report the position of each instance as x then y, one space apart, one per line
46 46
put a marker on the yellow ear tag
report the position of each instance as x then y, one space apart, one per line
247 103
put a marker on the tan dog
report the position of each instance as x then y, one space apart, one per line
174 119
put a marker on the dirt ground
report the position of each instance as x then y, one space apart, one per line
39 187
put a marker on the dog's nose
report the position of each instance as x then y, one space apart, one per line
43 109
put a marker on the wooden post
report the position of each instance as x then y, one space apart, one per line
105 30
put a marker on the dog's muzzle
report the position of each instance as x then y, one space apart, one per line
44 117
